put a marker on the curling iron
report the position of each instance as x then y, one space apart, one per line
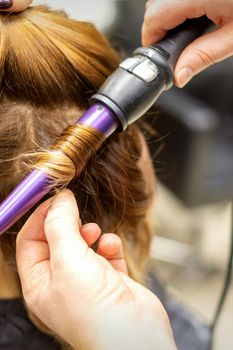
124 98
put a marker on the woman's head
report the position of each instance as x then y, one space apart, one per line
49 66
54 58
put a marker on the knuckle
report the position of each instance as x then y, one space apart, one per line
205 58
53 220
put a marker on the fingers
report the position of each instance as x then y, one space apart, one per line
14 5
163 15
109 245
111 248
52 236
203 52
90 233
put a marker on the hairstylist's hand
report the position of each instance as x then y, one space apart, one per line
163 15
86 298
14 5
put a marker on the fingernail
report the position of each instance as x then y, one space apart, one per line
184 76
6 4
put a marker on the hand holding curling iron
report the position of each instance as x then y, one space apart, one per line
163 15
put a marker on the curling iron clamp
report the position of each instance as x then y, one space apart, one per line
124 97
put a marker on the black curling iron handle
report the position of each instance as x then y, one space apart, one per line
138 82
179 38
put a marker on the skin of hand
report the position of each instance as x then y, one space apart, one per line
85 297
163 15
15 5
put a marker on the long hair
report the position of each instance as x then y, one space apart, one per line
50 66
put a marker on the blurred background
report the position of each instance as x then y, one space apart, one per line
192 215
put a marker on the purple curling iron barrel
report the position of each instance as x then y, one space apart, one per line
124 97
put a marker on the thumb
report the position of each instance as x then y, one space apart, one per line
32 251
51 232
203 52
62 232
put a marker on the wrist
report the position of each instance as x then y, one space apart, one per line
135 327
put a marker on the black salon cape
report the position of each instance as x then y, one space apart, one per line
18 333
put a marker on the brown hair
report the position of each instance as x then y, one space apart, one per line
49 66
